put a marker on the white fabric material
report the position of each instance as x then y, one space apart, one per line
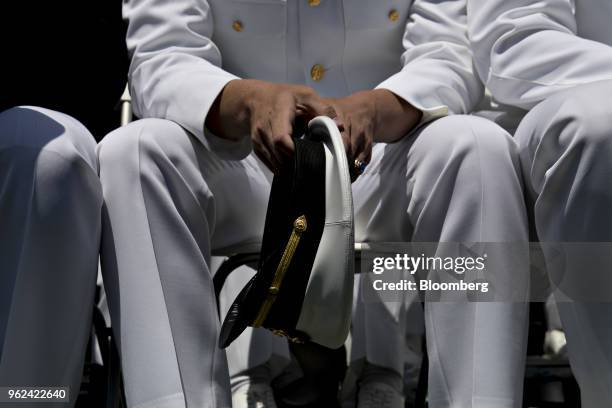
50 204
556 55
566 150
172 202
456 180
185 51
526 51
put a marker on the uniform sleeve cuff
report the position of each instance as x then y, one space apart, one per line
418 96
191 107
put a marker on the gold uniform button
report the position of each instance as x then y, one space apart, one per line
394 15
316 72
237 26
314 3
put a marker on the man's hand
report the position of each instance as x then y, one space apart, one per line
373 116
269 112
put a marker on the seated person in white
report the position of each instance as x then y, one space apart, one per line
215 80
554 58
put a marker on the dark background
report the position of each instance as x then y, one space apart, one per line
64 55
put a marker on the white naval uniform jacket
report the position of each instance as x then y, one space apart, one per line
185 51
526 50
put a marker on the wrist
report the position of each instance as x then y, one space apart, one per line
395 117
238 101
381 100
229 113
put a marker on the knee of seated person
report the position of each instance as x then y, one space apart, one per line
577 117
144 139
50 140
470 137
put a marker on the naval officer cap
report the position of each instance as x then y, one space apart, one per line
303 287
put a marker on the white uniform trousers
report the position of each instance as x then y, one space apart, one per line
566 153
456 180
171 203
50 206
